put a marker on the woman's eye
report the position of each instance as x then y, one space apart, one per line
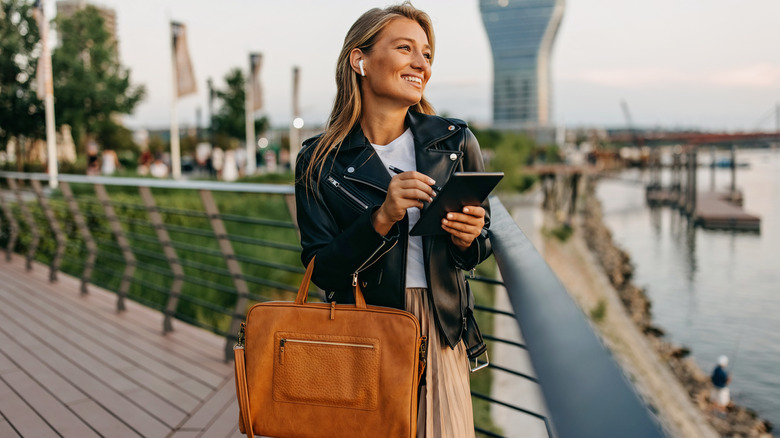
427 56
407 48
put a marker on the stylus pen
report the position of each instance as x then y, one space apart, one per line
397 170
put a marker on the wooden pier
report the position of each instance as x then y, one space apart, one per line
717 211
712 210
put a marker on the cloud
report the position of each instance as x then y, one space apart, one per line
750 76
753 76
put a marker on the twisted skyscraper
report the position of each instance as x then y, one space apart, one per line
521 34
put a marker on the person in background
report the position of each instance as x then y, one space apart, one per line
109 162
720 396
93 165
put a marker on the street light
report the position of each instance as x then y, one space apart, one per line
298 123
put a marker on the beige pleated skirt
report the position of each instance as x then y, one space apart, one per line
444 408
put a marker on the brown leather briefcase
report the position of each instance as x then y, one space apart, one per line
308 370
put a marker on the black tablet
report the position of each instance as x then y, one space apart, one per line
462 189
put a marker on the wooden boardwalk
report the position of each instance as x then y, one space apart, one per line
70 366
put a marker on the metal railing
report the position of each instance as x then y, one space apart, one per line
202 252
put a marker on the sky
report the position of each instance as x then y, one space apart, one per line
706 64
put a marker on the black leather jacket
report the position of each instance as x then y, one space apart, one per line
335 222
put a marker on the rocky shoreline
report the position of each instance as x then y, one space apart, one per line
738 421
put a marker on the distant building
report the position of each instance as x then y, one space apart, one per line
521 34
66 8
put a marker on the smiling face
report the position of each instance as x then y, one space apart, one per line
398 66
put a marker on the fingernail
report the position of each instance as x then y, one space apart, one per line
465 209
431 181
449 216
430 199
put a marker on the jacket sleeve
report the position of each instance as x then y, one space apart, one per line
480 249
340 253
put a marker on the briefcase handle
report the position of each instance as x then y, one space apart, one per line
303 290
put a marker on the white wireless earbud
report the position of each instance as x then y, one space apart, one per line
362 72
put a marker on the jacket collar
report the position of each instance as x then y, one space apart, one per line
367 167
427 131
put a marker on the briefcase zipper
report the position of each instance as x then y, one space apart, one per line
285 341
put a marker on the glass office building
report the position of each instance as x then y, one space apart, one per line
521 34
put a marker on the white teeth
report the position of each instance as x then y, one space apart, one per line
413 79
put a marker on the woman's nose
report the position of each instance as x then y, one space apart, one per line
420 61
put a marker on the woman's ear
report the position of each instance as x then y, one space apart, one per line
357 62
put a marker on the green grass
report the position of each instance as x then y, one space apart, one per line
561 232
598 313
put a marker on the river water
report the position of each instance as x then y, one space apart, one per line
716 292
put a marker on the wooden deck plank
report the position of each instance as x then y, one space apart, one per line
167 413
61 419
204 415
153 404
43 371
114 374
137 373
102 421
114 402
186 434
145 321
6 364
21 416
174 366
225 424
6 430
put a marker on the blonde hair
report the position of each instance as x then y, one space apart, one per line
348 104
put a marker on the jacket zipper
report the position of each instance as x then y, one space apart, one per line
338 185
366 264
348 178
285 341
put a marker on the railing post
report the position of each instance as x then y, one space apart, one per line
170 254
28 217
292 208
73 206
59 236
232 264
124 245
12 224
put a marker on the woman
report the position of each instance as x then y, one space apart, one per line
355 213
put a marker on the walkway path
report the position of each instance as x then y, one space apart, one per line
70 366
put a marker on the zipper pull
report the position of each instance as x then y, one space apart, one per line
423 349
464 323
240 341
354 279
473 273
281 351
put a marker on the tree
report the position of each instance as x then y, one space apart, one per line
230 121
21 112
90 85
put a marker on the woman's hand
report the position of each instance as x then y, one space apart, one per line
464 227
407 189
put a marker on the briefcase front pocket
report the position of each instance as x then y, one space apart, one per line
326 370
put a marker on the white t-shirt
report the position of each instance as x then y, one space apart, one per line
399 153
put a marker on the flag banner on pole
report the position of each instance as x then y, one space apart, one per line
296 80
43 71
255 61
185 76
